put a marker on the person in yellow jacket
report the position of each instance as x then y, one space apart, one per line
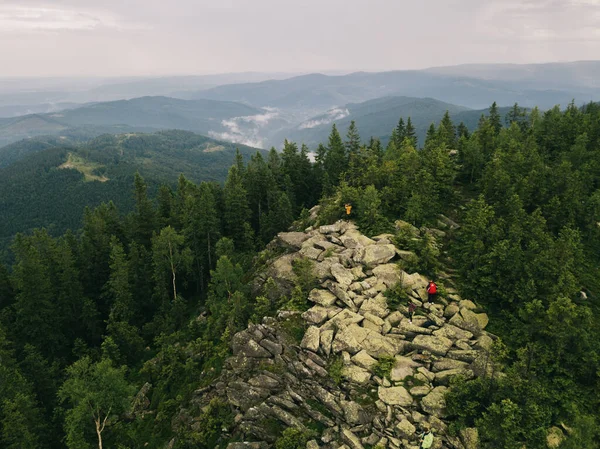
348 208
426 440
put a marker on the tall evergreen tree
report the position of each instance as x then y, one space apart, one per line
494 118
411 133
400 133
144 217
352 139
236 213
336 161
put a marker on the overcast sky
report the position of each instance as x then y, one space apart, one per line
159 37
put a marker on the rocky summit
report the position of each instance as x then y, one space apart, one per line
352 370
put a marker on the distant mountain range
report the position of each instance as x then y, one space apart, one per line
262 110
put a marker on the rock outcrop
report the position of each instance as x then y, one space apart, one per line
331 379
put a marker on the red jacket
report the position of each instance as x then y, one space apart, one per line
432 288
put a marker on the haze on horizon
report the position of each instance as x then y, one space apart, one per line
153 37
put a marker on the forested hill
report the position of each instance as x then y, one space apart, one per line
127 325
51 186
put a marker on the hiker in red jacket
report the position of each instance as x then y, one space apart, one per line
431 291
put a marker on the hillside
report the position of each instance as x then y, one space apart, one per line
144 114
376 118
39 190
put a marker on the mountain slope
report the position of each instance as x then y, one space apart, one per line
374 118
140 114
43 190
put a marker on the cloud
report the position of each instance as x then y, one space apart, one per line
540 20
17 18
330 116
247 129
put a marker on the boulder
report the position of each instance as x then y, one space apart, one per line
448 364
330 229
467 304
316 314
377 254
435 403
405 226
484 343
390 274
354 338
311 339
420 391
310 252
343 319
406 326
433 344
443 377
403 367
364 360
243 345
394 318
281 270
395 396
376 306
263 381
322 270
483 320
326 340
405 429
244 396
292 240
354 414
451 310
342 275
272 347
352 440
452 332
356 374
322 297
374 319
312 444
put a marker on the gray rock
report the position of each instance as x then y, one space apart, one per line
390 274
377 254
244 396
443 377
292 240
376 306
330 229
394 318
272 347
435 403
420 391
343 319
322 297
433 344
248 445
310 252
484 343
263 381
311 339
446 364
354 413
405 429
364 360
342 275
404 367
243 345
352 440
466 304
356 374
475 329
452 332
395 396
316 315
451 310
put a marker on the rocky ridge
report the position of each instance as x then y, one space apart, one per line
331 381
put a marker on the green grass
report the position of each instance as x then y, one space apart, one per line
87 168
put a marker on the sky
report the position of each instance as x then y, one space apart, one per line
177 37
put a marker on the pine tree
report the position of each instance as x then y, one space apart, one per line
352 139
411 133
446 132
495 119
236 212
336 161
400 133
144 217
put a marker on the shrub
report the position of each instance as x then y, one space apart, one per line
384 367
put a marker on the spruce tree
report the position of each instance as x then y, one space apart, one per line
400 133
236 213
411 133
494 118
336 161
352 139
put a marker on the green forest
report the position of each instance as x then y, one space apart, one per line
91 317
